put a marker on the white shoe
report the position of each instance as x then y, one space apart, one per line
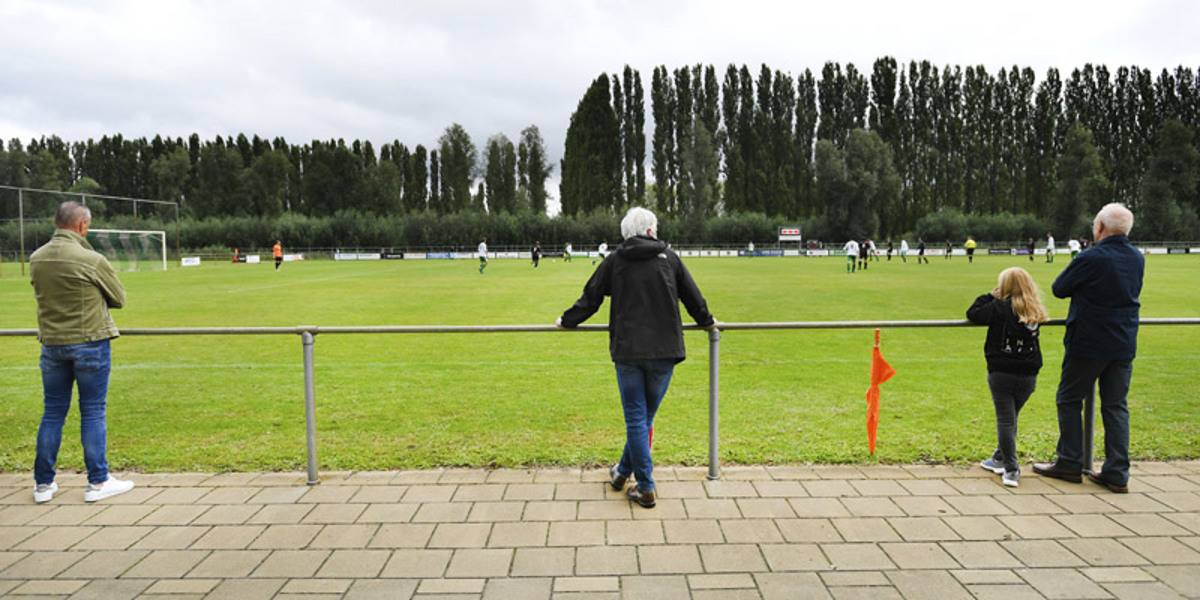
43 492
1011 478
111 487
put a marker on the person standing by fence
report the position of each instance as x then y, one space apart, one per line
277 251
1013 313
75 287
1103 284
646 281
482 252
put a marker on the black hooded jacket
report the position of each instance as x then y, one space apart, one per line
647 281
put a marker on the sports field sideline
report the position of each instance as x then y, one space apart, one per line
215 403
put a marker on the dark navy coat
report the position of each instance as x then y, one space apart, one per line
1103 283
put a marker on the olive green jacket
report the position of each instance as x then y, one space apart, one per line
74 286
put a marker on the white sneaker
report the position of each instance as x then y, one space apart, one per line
111 487
1011 478
43 492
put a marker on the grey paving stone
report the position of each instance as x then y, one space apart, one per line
354 564
482 512
381 589
781 586
1042 553
1004 592
576 533
281 514
830 489
673 559
480 563
979 528
413 563
1035 527
1163 550
402 535
794 557
872 507
55 538
246 589
543 562
918 555
235 514
114 537
229 563
110 589
1148 524
40 565
291 563
935 585
424 494
856 557
1142 591
765 508
550 511
606 560
388 513
922 529
818 507
228 537
655 587
519 589
1062 583
621 533
750 531
981 555
1104 575
732 558
1183 579
519 534
865 530
808 530
460 535
107 564
1103 552
344 536
285 537
167 564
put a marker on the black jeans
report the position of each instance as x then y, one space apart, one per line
1079 376
1009 394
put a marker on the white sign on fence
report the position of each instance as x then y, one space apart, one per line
253 259
190 261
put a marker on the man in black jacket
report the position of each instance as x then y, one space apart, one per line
1101 340
646 281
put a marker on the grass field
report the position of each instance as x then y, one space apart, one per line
213 403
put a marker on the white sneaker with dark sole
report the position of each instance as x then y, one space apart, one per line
43 492
111 487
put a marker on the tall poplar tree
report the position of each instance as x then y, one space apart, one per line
591 164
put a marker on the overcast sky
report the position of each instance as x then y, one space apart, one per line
405 70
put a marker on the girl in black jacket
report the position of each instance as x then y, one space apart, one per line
1013 313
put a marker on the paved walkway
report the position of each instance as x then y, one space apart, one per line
760 532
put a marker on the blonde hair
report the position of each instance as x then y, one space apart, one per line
1018 287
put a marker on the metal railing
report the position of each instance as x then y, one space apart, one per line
308 335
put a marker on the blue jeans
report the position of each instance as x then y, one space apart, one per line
63 367
1079 376
643 385
1009 394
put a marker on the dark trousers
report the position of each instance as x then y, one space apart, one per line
1079 377
1009 394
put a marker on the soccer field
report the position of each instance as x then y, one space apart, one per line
180 403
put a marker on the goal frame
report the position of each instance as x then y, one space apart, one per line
162 239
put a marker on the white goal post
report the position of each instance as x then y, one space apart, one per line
131 247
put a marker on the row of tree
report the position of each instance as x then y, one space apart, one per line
867 153
253 176
952 138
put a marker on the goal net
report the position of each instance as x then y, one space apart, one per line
130 250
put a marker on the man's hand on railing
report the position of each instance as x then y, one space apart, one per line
715 325
558 323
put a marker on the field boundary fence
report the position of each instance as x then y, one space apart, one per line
308 335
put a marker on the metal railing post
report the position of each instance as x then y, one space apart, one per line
1089 429
714 397
310 416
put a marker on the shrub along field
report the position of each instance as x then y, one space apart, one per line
212 403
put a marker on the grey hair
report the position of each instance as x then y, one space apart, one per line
1116 218
70 214
637 221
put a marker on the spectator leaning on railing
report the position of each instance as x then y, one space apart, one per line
646 281
1103 284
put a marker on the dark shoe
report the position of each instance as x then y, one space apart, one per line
1058 472
643 499
1112 487
616 479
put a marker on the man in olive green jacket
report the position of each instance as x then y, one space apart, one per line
75 287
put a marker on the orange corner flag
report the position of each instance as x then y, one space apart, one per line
881 371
